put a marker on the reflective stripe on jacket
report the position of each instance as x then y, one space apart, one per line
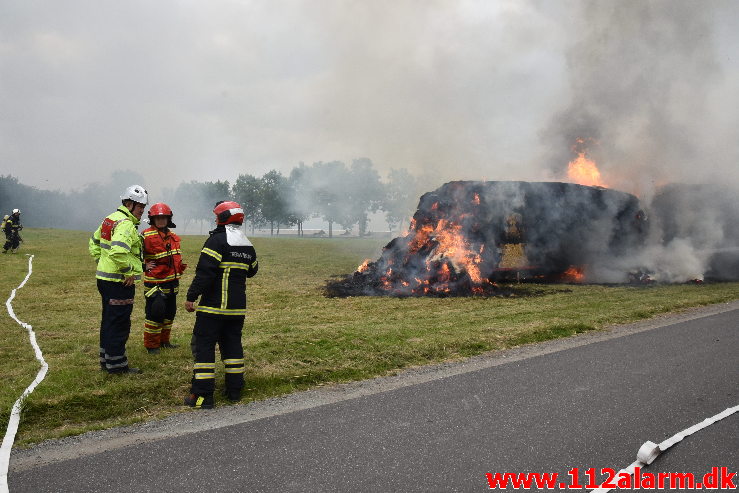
165 251
220 277
12 224
117 247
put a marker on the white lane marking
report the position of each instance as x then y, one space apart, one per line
15 414
649 450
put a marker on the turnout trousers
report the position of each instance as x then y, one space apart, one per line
115 324
226 332
13 241
161 308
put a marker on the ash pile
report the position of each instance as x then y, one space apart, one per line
467 236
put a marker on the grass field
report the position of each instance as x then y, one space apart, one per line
295 338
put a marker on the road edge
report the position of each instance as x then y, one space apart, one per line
94 442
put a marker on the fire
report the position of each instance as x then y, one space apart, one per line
573 274
467 235
364 267
583 171
450 255
453 246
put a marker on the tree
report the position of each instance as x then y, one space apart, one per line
247 191
194 201
401 196
327 181
274 200
39 208
58 209
300 198
364 193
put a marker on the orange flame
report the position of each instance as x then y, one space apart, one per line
573 274
364 266
453 245
386 284
583 171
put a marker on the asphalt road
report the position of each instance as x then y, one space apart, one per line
587 401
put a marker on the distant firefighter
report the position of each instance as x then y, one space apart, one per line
12 227
164 267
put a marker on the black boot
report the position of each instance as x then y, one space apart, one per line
126 370
196 401
232 395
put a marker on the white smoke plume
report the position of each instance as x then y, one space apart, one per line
647 84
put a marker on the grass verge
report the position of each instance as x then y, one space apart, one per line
294 337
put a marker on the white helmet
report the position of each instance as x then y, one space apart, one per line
136 193
16 211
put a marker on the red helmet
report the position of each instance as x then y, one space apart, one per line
161 209
228 212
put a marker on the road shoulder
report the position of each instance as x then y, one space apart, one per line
91 443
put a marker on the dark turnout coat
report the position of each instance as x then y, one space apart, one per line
227 259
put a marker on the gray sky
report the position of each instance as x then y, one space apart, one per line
461 89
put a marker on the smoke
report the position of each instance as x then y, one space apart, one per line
449 89
462 90
647 85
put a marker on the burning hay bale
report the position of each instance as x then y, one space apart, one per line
467 235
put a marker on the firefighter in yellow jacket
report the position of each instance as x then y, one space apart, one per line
117 247
164 267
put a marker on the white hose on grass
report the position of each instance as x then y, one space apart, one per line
15 414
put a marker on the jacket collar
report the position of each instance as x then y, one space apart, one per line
128 214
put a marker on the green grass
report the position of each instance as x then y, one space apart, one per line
294 337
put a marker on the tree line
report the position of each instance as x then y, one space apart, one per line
339 194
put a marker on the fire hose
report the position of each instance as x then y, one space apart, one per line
649 451
16 411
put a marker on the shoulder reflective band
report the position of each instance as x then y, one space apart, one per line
212 253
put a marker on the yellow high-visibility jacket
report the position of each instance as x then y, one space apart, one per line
117 247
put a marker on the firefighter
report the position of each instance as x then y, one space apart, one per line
117 247
164 267
227 259
12 227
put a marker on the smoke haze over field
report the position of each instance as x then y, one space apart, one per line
496 90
